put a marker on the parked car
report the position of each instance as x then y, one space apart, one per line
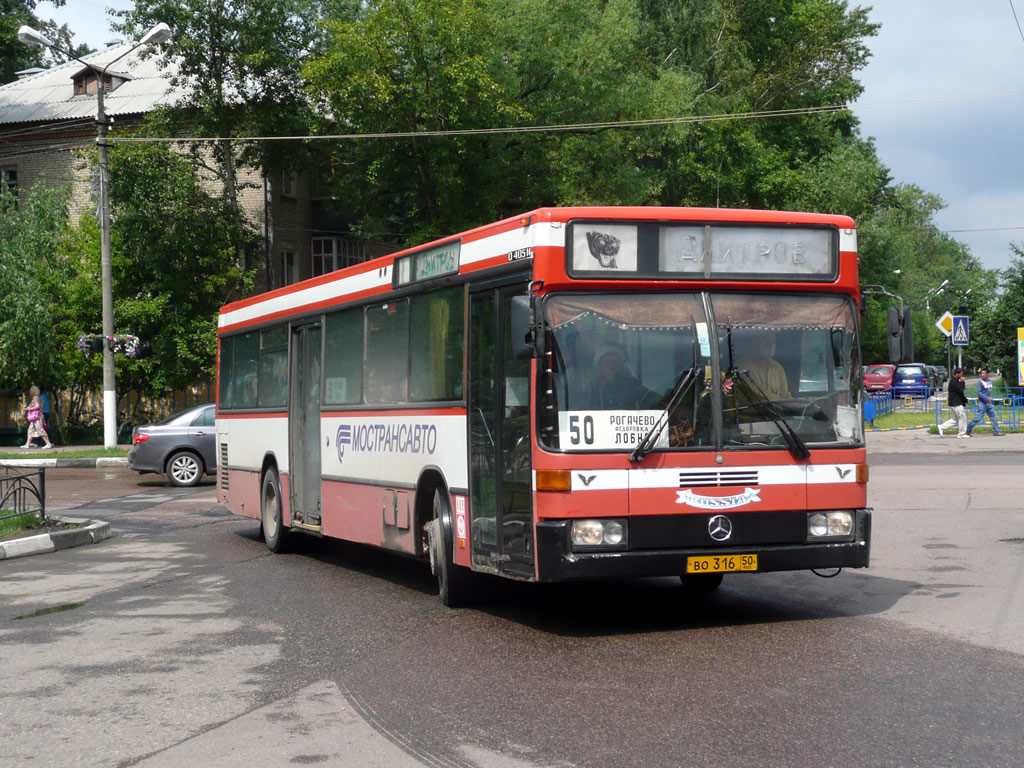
935 378
878 378
183 447
911 379
943 373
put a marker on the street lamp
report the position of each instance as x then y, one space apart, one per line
157 34
934 292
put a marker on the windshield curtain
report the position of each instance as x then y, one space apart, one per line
616 362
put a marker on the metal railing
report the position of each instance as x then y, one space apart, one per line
1008 402
22 493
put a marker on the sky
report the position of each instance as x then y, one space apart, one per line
928 102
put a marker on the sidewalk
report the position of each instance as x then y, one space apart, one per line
923 441
52 457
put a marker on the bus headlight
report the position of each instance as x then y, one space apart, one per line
830 525
598 533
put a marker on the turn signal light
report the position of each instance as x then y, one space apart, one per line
553 480
862 473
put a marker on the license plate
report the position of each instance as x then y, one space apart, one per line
909 381
721 563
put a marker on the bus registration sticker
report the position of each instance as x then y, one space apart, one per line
721 563
608 430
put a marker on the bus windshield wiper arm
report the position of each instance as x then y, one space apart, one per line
683 385
764 406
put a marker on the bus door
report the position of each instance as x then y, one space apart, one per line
501 519
304 425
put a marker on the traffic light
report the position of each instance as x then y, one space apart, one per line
899 335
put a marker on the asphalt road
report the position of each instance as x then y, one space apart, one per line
182 640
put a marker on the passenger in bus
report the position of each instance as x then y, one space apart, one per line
615 387
755 356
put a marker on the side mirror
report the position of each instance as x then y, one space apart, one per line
523 337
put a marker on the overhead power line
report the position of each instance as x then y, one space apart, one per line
571 127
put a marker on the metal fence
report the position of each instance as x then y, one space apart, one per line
22 493
1008 402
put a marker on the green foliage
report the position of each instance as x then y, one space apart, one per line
31 235
994 335
422 65
174 266
240 64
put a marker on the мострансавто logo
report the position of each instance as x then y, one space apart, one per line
386 438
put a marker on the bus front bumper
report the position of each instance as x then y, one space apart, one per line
557 561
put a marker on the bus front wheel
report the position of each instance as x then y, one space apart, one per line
272 514
453 581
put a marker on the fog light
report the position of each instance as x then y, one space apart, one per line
817 525
587 533
598 533
613 533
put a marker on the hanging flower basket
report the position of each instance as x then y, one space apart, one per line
125 343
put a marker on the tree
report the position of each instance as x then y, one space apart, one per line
432 65
994 336
239 65
31 236
173 266
15 55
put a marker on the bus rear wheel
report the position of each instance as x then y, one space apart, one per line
272 514
454 582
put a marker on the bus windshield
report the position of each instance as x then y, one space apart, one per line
784 362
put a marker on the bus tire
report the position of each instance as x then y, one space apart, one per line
454 582
701 583
272 513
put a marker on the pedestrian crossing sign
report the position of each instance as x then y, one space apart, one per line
961 333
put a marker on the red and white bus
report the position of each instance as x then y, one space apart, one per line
574 393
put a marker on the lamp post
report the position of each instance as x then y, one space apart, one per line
934 292
157 34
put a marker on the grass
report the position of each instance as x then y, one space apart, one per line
904 419
17 524
67 453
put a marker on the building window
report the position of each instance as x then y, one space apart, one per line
288 183
287 267
324 255
9 182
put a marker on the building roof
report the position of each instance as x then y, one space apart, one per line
49 95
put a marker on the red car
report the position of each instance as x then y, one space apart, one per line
878 378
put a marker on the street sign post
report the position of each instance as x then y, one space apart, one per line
960 335
945 324
961 331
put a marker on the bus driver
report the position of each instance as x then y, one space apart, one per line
756 359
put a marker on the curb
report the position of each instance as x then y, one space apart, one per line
897 429
95 530
71 463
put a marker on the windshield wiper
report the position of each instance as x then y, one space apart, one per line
683 385
684 381
764 405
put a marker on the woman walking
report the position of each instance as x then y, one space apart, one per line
34 414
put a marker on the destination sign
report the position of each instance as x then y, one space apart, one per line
427 264
701 251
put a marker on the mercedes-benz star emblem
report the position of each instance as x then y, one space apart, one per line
720 527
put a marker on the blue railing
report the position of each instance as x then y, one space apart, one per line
1009 403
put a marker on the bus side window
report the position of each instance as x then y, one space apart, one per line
436 345
343 358
387 352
